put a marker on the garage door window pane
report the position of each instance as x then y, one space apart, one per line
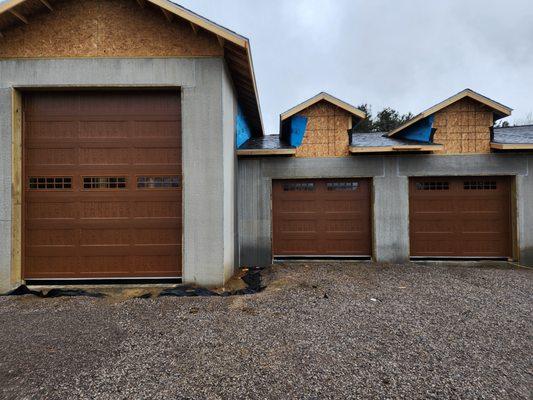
50 182
158 182
342 186
480 185
434 185
299 187
104 182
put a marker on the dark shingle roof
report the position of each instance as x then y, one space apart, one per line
514 135
376 139
267 142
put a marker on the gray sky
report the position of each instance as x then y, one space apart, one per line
406 54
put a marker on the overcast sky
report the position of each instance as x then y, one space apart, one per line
406 54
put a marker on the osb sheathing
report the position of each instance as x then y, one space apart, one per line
105 28
327 131
464 127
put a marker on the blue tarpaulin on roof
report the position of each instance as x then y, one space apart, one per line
242 128
298 127
420 131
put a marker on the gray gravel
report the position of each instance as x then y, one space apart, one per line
320 331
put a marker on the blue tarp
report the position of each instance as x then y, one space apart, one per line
242 128
298 127
420 131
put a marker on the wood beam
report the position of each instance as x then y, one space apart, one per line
194 28
19 16
141 3
221 41
47 4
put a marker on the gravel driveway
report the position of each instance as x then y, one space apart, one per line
322 331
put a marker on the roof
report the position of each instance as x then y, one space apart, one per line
500 110
237 48
266 145
326 97
378 142
513 138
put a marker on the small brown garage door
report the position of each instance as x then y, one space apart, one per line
460 217
102 185
329 217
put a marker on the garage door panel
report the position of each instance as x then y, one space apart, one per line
428 224
479 206
104 156
298 246
433 244
42 130
157 156
108 129
51 210
321 217
105 237
52 235
121 154
62 266
52 156
476 222
433 206
158 236
495 225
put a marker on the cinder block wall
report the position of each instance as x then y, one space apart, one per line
390 176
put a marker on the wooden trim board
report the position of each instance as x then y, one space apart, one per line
16 189
512 146
266 152
395 149
319 97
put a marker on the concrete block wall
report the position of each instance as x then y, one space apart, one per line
390 176
205 132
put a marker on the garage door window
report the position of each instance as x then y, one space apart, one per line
299 187
50 182
342 186
434 185
104 182
158 182
480 185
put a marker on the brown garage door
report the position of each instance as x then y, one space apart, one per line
103 193
329 217
460 217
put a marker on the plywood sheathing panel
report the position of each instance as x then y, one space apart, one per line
106 28
464 127
327 131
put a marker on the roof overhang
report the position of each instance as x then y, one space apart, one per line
511 146
396 149
237 49
500 111
327 97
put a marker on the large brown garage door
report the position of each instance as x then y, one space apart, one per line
329 217
460 217
102 185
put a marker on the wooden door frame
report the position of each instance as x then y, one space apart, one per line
16 187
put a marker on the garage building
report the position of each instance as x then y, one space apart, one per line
132 147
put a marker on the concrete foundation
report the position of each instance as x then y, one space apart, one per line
208 108
390 175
